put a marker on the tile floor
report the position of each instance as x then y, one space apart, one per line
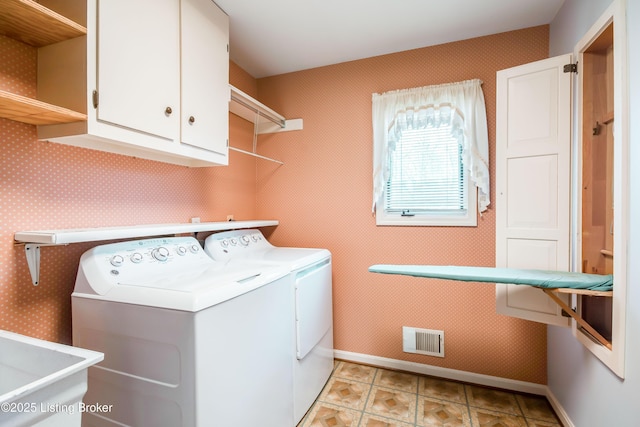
364 396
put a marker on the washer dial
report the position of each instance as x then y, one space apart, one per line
161 253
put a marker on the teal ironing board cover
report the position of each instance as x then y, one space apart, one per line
537 278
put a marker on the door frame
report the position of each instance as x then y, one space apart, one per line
614 358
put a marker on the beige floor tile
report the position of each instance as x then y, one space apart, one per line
442 389
344 392
536 407
328 415
441 413
364 396
355 372
369 420
389 403
396 380
496 400
487 418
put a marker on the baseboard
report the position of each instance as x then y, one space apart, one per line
560 412
453 374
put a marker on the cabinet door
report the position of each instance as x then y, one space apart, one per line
139 65
205 75
533 181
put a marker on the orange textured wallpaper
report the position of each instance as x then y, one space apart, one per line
49 186
322 197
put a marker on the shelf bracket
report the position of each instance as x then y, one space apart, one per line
32 252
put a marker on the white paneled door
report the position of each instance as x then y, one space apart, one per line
205 75
143 95
533 179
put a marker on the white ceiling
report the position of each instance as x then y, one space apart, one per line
270 37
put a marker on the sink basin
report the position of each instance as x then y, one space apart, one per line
41 381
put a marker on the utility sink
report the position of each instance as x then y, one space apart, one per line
42 382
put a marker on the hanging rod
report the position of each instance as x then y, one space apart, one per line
256 155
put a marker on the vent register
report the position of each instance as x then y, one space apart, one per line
423 341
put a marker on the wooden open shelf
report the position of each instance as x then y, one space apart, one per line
34 24
34 112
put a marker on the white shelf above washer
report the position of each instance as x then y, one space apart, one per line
33 240
79 235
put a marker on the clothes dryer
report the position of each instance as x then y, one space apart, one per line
188 341
311 308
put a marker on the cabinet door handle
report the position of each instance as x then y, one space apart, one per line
168 111
192 119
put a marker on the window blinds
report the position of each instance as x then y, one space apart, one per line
426 173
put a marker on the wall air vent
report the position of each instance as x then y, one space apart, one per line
423 341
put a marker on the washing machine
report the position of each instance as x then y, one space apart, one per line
311 309
187 341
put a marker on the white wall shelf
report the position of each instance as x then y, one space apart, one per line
264 119
33 240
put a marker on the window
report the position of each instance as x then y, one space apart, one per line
427 158
427 180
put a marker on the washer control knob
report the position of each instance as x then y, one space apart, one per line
116 260
245 240
181 250
194 248
224 243
136 258
161 253
255 237
234 241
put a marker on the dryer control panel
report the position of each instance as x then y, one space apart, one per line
236 244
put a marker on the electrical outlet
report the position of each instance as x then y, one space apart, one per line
195 220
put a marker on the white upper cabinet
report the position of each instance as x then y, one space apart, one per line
205 89
152 77
138 66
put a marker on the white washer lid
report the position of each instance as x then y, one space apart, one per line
191 291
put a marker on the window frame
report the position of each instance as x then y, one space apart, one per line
468 219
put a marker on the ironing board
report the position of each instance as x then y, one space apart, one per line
551 282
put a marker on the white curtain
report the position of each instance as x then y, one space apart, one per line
459 104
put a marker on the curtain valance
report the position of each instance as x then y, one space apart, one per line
460 105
